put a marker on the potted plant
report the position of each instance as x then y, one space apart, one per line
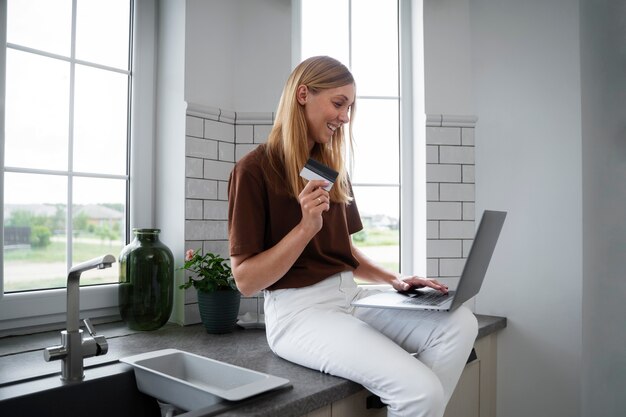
218 297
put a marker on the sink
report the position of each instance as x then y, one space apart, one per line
108 390
192 382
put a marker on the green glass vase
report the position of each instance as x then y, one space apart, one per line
146 284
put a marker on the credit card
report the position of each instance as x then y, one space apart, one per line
314 170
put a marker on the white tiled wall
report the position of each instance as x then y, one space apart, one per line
450 194
215 139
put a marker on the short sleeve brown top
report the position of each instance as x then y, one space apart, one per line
261 213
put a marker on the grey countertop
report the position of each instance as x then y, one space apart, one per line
21 358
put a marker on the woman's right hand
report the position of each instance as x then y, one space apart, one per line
314 200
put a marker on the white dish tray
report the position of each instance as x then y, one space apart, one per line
190 381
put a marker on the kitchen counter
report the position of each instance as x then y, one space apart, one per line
21 358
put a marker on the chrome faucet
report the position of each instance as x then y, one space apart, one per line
74 347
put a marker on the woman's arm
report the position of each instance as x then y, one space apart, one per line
255 272
368 270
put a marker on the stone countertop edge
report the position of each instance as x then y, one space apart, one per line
275 406
309 389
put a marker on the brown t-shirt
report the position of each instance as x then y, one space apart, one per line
261 213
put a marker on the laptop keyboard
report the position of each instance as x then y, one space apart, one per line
429 298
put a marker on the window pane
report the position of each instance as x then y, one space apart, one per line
380 212
100 121
99 224
325 29
374 47
376 147
102 29
34 231
37 108
40 24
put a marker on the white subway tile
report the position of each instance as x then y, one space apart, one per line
244 134
443 136
194 167
469 211
200 148
206 229
443 173
451 267
193 209
242 150
218 247
456 154
194 245
437 248
217 170
436 210
194 126
432 191
467 136
432 268
432 229
456 192
226 151
255 118
192 313
432 154
261 132
228 116
469 173
222 190
215 210
219 131
450 229
467 245
199 188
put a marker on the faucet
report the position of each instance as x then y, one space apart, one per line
74 347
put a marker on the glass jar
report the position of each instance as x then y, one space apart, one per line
146 284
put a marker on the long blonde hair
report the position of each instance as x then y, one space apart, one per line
287 142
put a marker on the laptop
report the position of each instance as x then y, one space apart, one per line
469 283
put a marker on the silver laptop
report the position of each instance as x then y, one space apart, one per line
469 283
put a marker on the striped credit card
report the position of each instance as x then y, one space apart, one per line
314 170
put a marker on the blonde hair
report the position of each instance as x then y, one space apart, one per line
287 144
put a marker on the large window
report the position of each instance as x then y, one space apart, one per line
76 149
365 36
66 138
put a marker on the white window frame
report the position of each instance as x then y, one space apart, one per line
24 311
412 130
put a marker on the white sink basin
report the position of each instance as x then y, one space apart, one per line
190 381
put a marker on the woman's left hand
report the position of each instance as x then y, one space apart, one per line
413 281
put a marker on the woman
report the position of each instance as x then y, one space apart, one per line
291 238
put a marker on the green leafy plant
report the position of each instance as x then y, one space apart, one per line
210 272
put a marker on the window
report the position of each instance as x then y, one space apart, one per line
372 54
66 164
66 139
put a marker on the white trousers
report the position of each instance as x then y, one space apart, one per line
317 327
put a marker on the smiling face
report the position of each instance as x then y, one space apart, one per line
325 111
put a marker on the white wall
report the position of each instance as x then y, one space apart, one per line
447 57
603 75
516 66
238 53
526 94
170 139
